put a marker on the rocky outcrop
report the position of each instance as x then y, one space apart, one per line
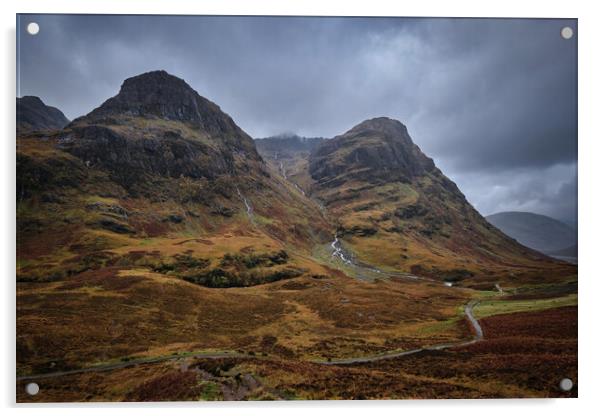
159 126
375 149
34 115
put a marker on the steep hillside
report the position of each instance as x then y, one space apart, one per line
144 179
396 209
34 115
536 231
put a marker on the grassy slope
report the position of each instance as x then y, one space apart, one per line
70 216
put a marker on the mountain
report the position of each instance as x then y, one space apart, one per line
396 209
566 252
158 125
33 115
569 254
159 176
539 232
148 169
377 150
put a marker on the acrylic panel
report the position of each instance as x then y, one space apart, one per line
295 208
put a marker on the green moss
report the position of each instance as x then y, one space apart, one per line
261 220
210 391
440 326
497 307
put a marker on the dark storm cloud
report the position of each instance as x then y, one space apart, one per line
492 101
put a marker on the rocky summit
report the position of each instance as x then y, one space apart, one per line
159 125
160 95
380 147
159 161
34 115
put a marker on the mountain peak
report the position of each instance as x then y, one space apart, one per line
374 149
158 94
33 114
385 125
157 125
157 83
31 99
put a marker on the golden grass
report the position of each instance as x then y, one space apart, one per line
135 311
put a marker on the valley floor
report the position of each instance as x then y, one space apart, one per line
150 337
520 358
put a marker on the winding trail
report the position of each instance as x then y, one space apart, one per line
352 360
130 363
368 359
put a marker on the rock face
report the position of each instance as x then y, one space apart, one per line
380 147
288 155
158 125
34 115
163 96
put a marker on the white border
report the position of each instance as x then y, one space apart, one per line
590 157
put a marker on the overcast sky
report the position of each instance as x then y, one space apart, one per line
492 101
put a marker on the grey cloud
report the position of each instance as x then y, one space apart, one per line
551 191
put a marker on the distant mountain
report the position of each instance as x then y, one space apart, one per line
33 115
536 231
565 252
